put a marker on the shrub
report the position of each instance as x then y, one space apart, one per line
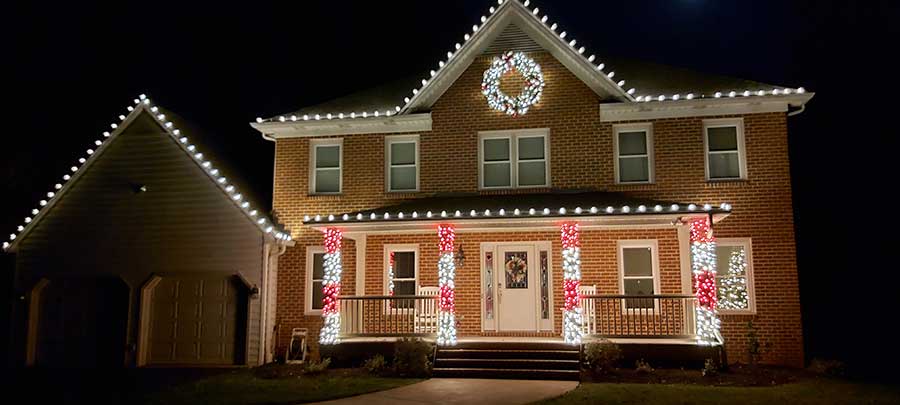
316 367
642 367
602 356
828 367
411 358
755 348
710 368
375 364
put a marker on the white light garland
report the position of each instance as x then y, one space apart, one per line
142 102
530 95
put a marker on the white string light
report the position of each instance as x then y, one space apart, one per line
142 102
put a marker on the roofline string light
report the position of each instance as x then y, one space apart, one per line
532 212
572 43
144 103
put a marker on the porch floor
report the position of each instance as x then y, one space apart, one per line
526 339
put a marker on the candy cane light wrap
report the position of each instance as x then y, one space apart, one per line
331 287
703 266
446 273
570 236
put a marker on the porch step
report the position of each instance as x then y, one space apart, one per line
508 374
509 360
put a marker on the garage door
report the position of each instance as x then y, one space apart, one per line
81 323
197 320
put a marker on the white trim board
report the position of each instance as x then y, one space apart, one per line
612 112
372 125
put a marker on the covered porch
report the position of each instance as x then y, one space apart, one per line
526 282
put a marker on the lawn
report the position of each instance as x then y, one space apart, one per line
816 391
247 387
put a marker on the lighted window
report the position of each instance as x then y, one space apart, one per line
724 140
734 275
402 163
634 153
638 262
315 273
326 157
514 159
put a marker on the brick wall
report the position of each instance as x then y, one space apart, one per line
581 156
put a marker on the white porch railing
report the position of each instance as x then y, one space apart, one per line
388 315
639 316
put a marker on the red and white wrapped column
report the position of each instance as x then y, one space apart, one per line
446 334
703 266
570 235
331 287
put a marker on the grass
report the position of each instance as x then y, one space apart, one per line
818 391
245 387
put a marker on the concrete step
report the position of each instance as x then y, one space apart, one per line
463 344
505 373
517 364
508 354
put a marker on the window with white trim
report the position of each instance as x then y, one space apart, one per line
402 272
315 274
514 159
734 276
724 143
326 156
638 271
402 158
633 147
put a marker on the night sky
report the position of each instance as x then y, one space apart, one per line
75 66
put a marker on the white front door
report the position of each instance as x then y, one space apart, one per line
517 288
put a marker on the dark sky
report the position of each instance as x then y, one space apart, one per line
75 66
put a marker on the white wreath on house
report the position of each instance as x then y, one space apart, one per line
530 95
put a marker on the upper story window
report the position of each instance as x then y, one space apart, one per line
402 158
639 271
326 156
633 147
514 159
724 142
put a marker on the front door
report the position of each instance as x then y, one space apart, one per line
517 288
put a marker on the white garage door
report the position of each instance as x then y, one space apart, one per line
197 320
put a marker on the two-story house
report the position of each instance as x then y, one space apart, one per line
526 189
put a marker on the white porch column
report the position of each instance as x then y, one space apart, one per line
703 266
570 235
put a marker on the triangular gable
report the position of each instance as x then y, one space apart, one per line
143 105
514 26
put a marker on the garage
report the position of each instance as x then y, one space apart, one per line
81 322
196 320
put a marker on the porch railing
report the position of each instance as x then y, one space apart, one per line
644 316
388 315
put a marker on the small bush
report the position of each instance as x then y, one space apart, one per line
411 358
710 368
828 367
375 364
316 367
642 367
602 356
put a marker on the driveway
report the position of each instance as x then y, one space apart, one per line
464 391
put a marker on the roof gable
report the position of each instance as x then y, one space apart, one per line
143 116
512 27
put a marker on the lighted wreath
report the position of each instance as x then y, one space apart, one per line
530 95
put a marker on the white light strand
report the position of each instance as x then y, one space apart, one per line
143 102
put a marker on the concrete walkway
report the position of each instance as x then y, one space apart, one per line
464 391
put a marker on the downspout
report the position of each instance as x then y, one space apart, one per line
799 111
268 257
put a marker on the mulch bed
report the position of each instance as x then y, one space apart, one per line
736 375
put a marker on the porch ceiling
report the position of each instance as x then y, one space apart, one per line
511 212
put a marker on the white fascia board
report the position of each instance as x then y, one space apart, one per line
386 125
613 112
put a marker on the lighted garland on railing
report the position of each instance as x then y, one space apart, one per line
703 259
446 273
331 287
570 235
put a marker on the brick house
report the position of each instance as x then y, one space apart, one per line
582 206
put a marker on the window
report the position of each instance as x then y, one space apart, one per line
514 159
315 273
724 140
402 271
633 146
734 276
325 171
402 157
638 265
